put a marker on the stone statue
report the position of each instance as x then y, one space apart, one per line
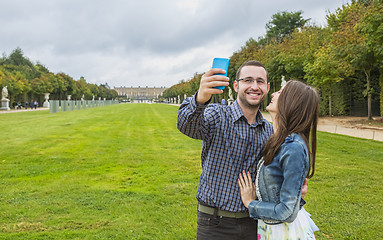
4 92
283 83
231 94
231 99
46 102
4 99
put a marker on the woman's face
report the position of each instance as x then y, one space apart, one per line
273 106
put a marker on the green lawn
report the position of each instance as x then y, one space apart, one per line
126 172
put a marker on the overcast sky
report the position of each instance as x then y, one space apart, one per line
139 42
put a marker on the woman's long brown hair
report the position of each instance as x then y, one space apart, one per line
297 112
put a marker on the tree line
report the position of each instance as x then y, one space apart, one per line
343 59
27 81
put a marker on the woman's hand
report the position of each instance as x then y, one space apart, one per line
247 188
304 188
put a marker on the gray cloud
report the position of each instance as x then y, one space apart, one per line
148 42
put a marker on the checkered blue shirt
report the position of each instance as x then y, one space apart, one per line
229 146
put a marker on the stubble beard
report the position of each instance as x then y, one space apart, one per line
247 104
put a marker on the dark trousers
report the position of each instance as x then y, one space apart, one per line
210 227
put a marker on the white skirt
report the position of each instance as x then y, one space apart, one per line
303 227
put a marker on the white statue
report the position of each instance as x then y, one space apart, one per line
4 99
231 94
46 102
4 92
231 99
283 83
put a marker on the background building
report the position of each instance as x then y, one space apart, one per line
140 94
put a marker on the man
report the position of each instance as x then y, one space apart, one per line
233 137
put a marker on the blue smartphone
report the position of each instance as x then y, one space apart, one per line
222 63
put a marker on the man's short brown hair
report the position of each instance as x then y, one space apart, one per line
251 63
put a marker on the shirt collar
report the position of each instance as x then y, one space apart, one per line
237 114
236 111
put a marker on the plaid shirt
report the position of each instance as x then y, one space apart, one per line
229 146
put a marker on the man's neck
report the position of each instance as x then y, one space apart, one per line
249 113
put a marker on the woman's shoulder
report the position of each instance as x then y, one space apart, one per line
294 138
294 142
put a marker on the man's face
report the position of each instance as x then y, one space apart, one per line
253 87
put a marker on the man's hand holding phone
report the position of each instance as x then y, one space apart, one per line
213 81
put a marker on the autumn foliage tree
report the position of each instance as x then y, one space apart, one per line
353 49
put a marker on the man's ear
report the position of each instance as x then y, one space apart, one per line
235 85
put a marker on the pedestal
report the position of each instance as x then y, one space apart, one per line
5 105
46 104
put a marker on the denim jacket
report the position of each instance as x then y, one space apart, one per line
280 183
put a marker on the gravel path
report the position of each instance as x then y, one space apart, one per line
349 126
23 110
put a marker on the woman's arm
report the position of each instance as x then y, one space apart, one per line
294 166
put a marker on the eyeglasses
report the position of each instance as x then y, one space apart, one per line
250 81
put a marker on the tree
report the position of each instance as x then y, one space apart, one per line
325 71
2 75
268 56
94 90
23 78
107 93
41 68
17 84
352 47
83 89
67 85
283 24
41 85
371 27
299 49
16 62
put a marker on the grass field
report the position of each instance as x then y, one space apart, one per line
125 172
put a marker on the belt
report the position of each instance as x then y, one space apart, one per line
222 213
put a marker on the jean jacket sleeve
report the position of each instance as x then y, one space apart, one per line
195 120
294 165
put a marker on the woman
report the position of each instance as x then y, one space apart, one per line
286 161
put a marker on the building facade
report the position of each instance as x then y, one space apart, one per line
140 94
